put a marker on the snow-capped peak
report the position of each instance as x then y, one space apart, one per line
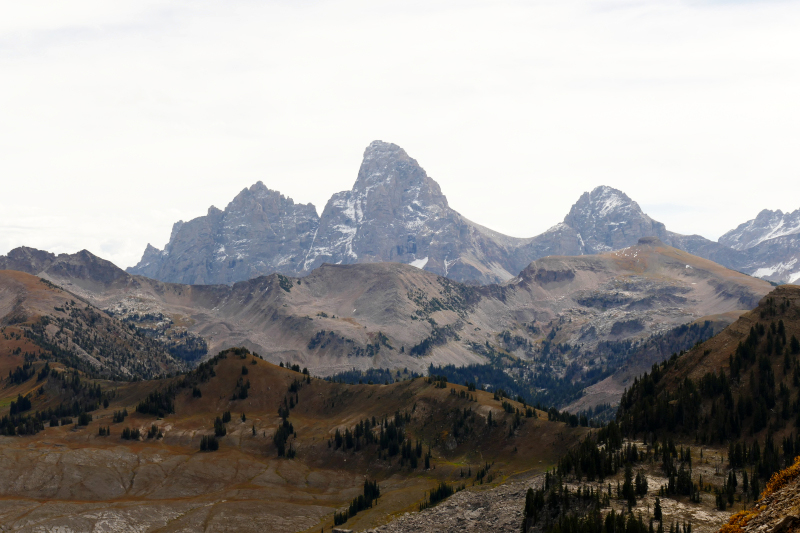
767 225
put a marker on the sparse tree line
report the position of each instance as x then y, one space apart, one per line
438 494
556 508
87 397
372 376
361 503
764 372
390 437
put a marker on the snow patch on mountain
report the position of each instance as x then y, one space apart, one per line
779 268
419 263
608 201
766 226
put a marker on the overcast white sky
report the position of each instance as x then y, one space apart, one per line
119 118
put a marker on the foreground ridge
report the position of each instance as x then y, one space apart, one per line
778 509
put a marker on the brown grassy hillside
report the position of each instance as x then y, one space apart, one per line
69 474
41 321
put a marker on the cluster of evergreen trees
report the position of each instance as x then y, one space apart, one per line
282 434
463 395
21 374
764 369
364 501
209 443
86 397
442 492
220 430
286 429
759 393
465 422
372 376
555 508
131 434
158 403
389 436
23 403
242 388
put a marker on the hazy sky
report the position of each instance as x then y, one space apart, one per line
118 118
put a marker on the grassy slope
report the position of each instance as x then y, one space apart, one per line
246 469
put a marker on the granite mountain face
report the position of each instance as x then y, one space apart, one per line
395 212
259 232
602 220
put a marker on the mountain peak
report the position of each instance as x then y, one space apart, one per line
766 226
389 165
259 232
379 148
607 219
26 259
601 202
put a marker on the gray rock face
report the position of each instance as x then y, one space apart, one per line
776 259
26 259
602 220
396 212
497 509
770 245
766 226
259 232
606 219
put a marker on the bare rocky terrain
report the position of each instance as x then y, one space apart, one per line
483 509
395 212
769 243
553 316
500 508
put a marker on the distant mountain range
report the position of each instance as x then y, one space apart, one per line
396 212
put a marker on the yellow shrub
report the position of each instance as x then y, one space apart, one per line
778 481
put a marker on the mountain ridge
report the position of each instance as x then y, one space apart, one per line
396 212
560 325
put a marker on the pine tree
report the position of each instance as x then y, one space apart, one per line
627 487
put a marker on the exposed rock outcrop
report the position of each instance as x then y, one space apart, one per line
259 232
395 212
